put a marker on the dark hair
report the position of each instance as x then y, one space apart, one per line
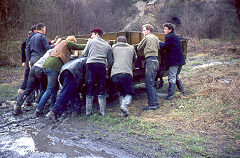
98 31
148 27
40 26
34 27
122 39
170 26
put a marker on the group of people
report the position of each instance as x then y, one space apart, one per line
49 65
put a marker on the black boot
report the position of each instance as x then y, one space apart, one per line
160 83
171 91
180 87
17 108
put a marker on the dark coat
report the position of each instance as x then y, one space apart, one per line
172 45
23 46
77 68
37 46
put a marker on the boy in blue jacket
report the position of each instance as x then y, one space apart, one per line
175 59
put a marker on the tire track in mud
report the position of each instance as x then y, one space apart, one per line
29 136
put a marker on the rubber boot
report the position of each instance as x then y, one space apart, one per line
171 91
30 99
180 87
17 108
121 99
125 103
120 102
89 102
102 104
51 115
160 83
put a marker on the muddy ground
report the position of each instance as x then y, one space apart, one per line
71 136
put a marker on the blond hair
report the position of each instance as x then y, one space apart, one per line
148 27
71 38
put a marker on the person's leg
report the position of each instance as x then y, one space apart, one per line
179 82
22 97
127 86
76 102
152 67
51 88
42 79
69 89
172 74
90 79
101 82
116 81
26 74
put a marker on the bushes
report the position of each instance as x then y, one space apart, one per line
202 19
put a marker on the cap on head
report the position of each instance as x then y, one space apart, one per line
122 39
97 30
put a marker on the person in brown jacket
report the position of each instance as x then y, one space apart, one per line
62 51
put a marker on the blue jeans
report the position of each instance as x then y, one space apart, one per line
68 93
123 83
152 66
52 88
173 73
95 74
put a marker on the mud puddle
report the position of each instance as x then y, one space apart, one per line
28 136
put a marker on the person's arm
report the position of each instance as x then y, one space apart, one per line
142 44
23 47
75 46
86 50
27 52
166 43
134 56
45 43
110 58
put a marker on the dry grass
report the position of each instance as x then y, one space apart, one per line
212 105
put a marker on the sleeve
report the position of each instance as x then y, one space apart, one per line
110 58
23 47
27 51
134 56
142 44
86 50
75 46
166 43
45 43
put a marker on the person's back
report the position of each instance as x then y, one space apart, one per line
97 50
121 74
150 45
77 67
124 55
37 45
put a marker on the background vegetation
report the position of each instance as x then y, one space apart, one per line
202 19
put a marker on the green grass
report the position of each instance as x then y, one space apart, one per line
135 127
8 92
